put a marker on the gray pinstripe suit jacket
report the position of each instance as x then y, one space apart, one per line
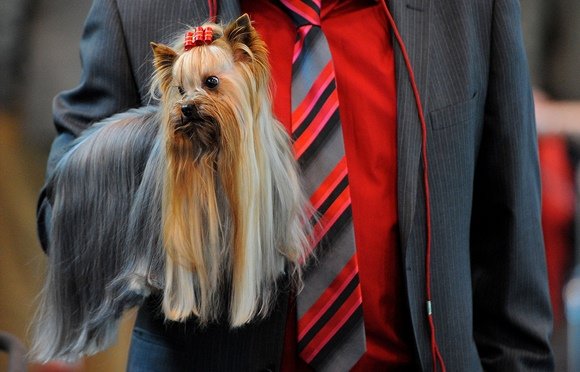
490 297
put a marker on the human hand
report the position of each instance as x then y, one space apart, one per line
555 117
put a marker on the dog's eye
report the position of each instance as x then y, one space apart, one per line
212 82
181 90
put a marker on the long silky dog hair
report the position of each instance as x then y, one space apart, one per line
195 199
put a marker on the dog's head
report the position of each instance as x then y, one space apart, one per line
210 84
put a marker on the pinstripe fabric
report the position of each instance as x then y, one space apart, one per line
329 317
481 150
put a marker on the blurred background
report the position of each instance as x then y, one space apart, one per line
39 57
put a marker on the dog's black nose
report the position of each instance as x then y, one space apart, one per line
188 110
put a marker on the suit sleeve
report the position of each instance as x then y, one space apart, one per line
512 314
107 86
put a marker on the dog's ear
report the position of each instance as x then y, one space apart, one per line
163 59
245 41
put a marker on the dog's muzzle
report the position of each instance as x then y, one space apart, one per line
189 112
188 117
199 128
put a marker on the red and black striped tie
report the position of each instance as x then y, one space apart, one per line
330 323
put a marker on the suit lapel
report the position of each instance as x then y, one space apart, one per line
228 10
412 18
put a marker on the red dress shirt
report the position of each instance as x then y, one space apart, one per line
365 78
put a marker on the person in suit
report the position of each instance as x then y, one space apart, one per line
489 299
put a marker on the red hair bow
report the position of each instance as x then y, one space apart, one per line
201 35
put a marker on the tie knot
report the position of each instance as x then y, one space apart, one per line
303 12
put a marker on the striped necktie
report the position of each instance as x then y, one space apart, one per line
330 323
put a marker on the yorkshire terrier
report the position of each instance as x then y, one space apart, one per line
198 200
